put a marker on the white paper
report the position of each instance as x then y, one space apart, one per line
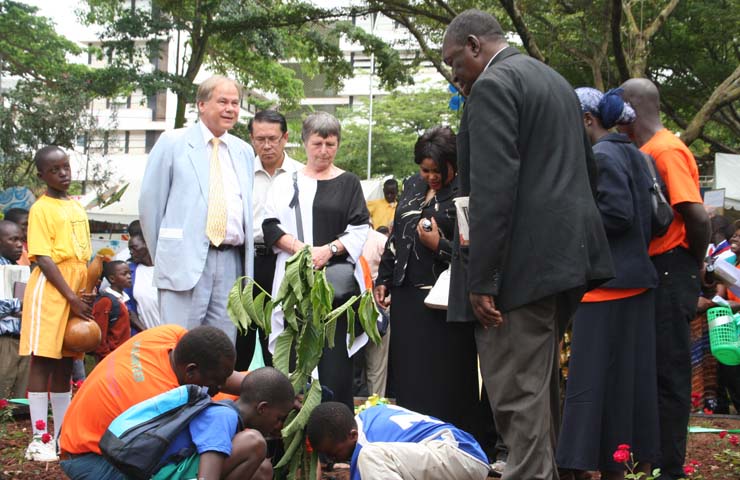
463 219
9 276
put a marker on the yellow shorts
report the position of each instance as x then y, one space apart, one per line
46 311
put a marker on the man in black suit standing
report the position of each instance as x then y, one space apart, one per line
536 240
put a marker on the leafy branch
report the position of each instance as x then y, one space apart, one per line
306 298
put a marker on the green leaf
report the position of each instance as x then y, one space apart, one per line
368 313
313 465
309 347
235 306
351 326
295 442
311 401
330 329
281 357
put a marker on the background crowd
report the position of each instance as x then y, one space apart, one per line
560 232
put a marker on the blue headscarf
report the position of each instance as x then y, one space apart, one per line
610 108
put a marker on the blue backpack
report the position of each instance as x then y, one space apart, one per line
136 441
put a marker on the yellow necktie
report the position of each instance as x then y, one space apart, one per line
216 222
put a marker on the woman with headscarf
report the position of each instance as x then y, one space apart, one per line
432 362
321 206
611 397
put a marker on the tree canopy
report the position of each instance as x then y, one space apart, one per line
690 49
48 103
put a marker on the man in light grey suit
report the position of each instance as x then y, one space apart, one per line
196 211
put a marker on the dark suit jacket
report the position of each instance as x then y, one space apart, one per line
522 154
404 244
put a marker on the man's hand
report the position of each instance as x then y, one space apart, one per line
485 309
381 296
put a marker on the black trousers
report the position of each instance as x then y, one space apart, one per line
675 306
264 272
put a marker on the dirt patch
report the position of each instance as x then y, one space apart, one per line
705 448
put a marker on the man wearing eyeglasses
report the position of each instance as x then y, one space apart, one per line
268 132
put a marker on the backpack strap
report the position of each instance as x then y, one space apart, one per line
231 404
115 309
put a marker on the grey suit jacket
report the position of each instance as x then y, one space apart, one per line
523 159
173 205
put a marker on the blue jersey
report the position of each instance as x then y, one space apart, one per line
390 423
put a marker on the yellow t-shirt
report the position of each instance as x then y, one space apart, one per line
381 212
58 229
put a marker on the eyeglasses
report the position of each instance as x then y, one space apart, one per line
267 140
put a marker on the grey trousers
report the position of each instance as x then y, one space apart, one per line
520 364
205 304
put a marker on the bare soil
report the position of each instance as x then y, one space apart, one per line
702 448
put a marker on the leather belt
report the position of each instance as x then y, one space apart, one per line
223 247
261 250
66 455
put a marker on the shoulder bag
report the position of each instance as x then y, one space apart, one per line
339 272
660 209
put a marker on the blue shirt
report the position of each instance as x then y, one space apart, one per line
210 431
391 423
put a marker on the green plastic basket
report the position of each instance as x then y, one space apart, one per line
723 335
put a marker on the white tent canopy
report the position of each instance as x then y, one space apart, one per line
727 174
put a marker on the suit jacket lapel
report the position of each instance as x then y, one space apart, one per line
198 155
504 54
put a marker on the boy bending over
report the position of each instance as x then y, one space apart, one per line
392 443
221 450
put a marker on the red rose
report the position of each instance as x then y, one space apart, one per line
3 403
722 434
623 446
621 455
309 447
688 470
708 411
46 438
694 463
734 440
40 425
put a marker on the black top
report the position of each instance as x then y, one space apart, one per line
623 198
406 260
338 202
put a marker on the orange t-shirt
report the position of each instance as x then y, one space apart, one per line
677 166
607 294
137 370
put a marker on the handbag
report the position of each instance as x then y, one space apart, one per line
661 212
439 294
339 272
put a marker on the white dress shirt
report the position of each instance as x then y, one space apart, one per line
262 182
232 194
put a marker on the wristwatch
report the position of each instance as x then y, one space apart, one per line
334 249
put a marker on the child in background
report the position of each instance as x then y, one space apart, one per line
59 242
110 311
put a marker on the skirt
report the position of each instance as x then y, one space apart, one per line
46 311
612 394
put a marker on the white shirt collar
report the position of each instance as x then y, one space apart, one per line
208 134
494 56
288 165
121 296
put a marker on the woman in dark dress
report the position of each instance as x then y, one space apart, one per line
433 363
612 395
334 222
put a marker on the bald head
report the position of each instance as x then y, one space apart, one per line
643 95
473 22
